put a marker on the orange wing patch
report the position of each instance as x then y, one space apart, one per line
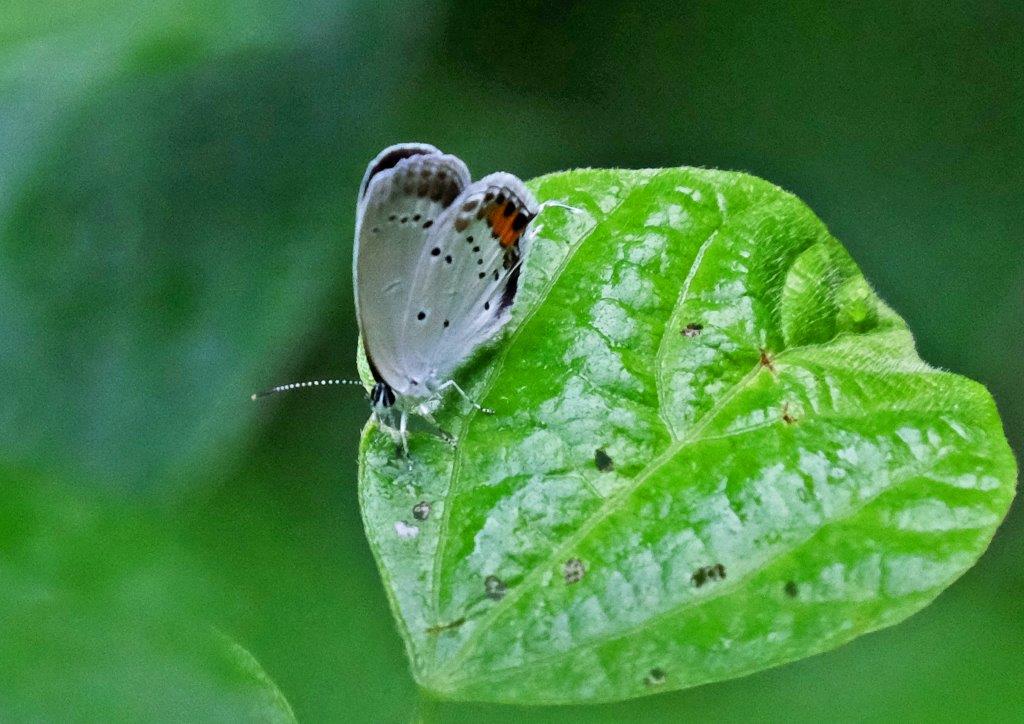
507 221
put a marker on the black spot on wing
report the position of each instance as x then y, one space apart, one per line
508 294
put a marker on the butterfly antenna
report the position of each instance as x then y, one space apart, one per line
298 385
558 205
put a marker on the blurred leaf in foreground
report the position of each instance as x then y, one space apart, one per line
715 450
100 619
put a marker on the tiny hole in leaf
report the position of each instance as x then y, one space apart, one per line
603 462
405 531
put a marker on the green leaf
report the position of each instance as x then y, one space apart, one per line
714 450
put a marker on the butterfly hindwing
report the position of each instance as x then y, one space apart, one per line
466 278
405 191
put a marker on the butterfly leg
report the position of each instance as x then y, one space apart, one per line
476 405
424 412
403 432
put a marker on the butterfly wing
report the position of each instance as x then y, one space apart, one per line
466 279
404 192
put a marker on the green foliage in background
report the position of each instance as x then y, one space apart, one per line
714 449
177 188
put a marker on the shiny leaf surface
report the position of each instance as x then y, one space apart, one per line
714 450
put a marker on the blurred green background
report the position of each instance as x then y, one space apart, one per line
177 185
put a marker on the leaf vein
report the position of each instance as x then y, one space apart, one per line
611 504
735 583
671 324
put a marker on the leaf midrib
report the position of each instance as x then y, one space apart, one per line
493 374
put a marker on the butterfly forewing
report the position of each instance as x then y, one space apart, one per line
405 191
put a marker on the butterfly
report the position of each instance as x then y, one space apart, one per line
436 269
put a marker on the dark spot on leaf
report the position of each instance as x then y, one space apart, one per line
786 416
790 589
469 239
416 217
479 262
476 248
421 511
446 626
421 316
603 462
428 223
481 275
446 323
448 259
693 329
376 230
436 251
392 217
404 219
705 574
767 360
495 588
655 677
573 570
487 305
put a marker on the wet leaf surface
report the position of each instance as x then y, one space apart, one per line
714 450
